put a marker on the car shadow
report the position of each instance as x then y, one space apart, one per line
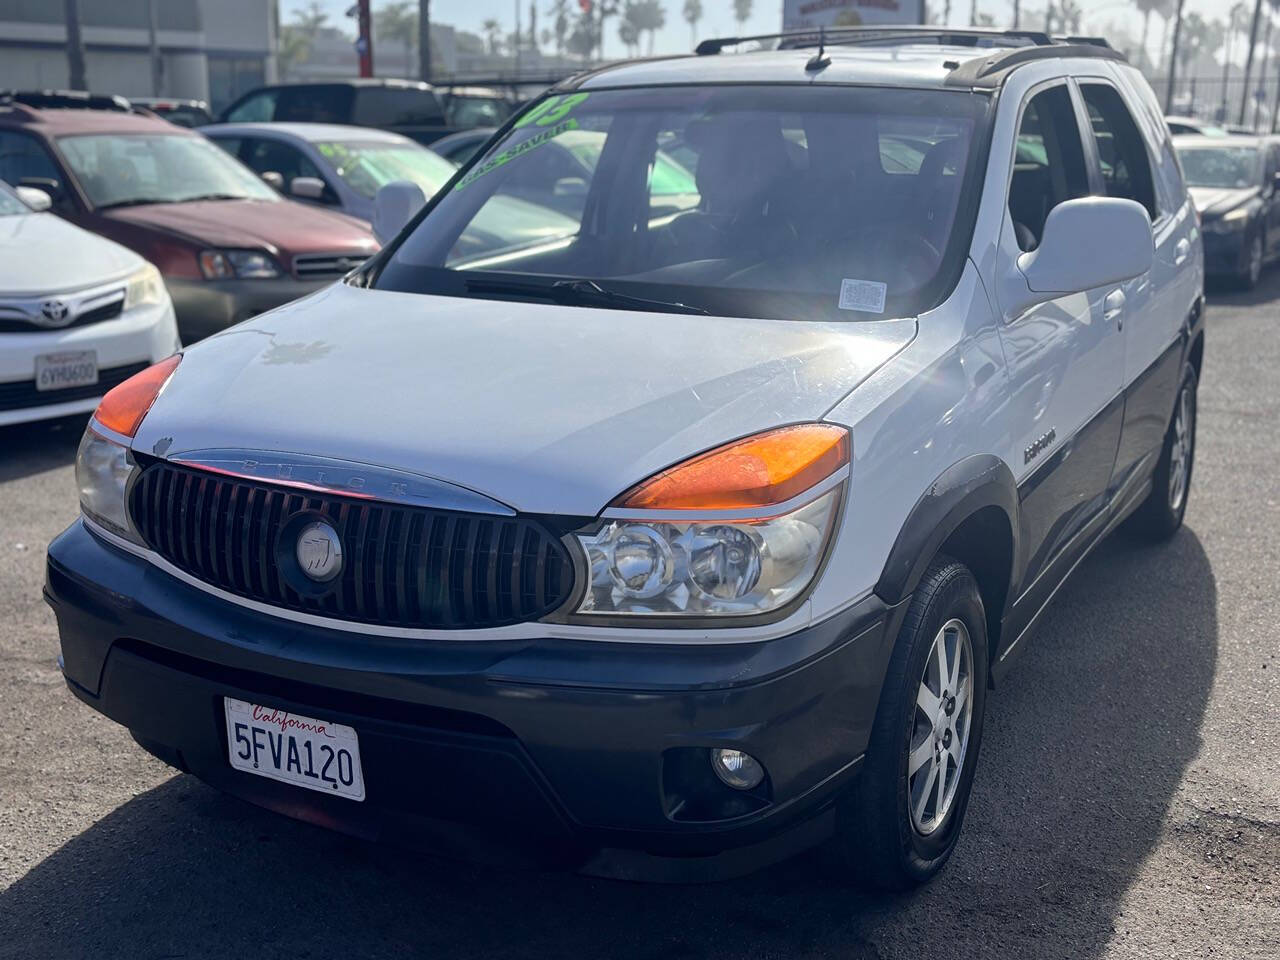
1084 750
30 448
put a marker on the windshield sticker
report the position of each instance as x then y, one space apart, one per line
519 150
864 295
550 111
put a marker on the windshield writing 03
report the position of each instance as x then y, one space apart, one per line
796 202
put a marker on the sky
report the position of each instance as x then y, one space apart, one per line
766 15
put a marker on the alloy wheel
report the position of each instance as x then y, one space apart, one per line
1180 452
940 731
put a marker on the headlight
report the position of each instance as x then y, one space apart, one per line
709 568
238 264
1229 222
739 531
103 471
145 287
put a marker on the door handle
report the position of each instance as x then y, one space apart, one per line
1113 307
1181 250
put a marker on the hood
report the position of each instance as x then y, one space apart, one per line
282 226
1215 201
548 409
42 253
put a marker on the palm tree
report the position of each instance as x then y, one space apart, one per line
629 28
1248 60
398 21
492 31
651 17
1147 8
741 12
692 14
1173 58
559 12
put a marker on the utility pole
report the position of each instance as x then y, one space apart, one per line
157 66
364 39
1248 60
75 46
516 39
424 40
1173 59
1017 14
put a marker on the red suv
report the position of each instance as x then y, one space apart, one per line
227 244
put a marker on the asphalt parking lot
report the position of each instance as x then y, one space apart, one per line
1127 803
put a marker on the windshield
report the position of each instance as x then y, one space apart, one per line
365 167
121 169
1221 166
10 205
803 202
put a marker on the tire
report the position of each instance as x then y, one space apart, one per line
1251 270
1160 515
886 838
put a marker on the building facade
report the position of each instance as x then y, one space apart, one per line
209 49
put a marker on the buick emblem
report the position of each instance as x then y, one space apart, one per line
55 311
319 551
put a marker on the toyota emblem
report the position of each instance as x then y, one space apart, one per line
319 551
55 311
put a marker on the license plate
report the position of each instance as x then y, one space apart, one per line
291 748
57 371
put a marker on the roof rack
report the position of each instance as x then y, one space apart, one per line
903 33
65 100
991 71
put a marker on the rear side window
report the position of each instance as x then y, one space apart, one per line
1048 166
397 107
1126 168
315 103
257 108
21 156
272 156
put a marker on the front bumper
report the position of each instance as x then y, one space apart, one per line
588 754
142 335
205 307
1226 254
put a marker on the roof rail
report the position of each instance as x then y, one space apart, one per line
1091 41
991 71
65 99
903 33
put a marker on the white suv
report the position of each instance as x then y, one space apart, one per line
78 314
693 534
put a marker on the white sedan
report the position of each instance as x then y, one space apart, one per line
78 313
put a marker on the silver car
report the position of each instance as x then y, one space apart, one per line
693 532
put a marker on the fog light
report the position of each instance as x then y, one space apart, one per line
736 769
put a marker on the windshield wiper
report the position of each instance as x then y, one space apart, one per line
213 196
580 293
131 202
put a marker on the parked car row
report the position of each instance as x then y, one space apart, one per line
1235 183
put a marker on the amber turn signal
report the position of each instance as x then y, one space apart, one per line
758 471
124 406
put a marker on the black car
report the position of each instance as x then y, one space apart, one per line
1234 182
185 113
407 107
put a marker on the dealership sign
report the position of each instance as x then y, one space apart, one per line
799 14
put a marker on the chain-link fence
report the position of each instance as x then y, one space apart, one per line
1225 101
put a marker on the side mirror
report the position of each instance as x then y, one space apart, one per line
394 205
273 179
308 188
1087 243
35 198
49 186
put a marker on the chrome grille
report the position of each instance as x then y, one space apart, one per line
326 266
402 566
